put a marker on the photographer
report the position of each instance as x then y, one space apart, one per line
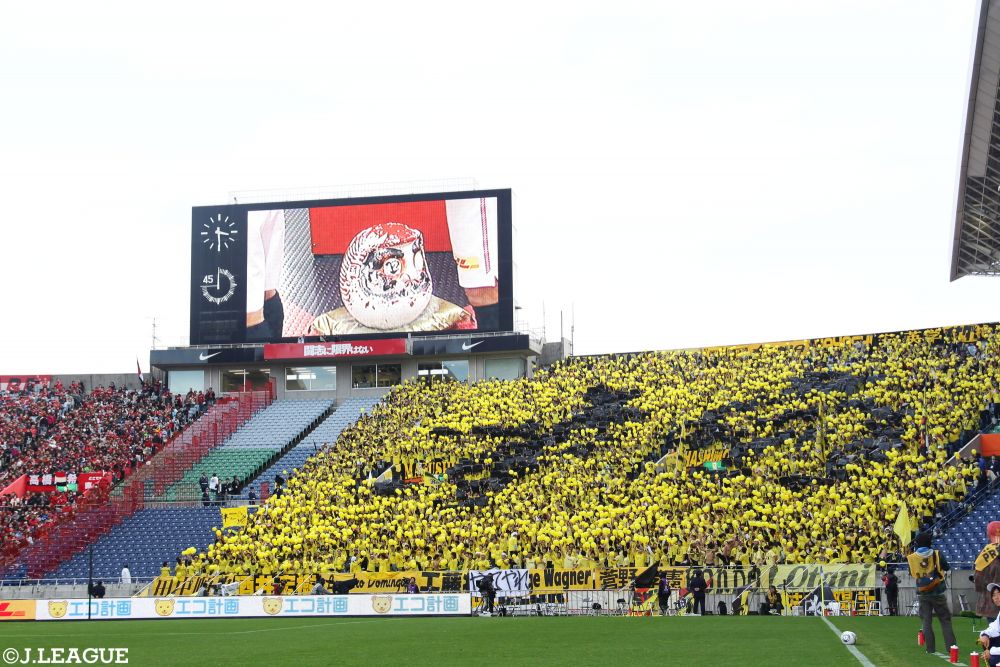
891 583
319 588
488 591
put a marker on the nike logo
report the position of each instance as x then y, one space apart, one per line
206 357
469 346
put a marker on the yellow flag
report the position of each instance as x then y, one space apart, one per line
234 517
902 525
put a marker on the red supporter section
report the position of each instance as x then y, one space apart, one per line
71 523
334 227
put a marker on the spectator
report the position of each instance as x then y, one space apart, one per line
126 575
987 570
698 587
569 461
928 567
774 603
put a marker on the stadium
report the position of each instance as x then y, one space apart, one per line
363 454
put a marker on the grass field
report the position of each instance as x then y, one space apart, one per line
618 641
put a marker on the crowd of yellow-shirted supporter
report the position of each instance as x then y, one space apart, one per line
588 511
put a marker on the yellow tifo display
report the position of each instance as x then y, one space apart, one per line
825 438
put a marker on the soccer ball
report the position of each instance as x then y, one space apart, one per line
848 637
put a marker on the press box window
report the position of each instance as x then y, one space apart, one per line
311 378
363 377
376 375
457 370
245 380
389 375
505 369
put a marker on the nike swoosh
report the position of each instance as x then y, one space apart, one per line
206 357
466 346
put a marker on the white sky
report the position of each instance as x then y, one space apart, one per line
712 173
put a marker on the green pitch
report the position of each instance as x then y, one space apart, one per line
511 641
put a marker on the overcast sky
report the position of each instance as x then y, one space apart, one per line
712 173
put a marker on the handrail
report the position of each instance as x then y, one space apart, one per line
966 507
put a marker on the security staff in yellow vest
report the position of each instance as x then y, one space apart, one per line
928 567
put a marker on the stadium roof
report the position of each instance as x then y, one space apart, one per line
976 245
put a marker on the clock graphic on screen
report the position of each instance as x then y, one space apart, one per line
218 288
219 232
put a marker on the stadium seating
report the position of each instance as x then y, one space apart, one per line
93 515
142 541
46 430
254 445
814 445
328 431
151 536
963 541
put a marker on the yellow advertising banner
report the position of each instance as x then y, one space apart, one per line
366 582
396 582
556 581
613 578
810 576
862 597
723 580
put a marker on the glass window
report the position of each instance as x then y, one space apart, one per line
326 378
389 375
311 378
430 370
245 380
257 379
298 379
233 380
457 370
181 381
505 369
363 377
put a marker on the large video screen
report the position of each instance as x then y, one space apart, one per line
431 263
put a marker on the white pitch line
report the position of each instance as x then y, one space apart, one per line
865 662
948 659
